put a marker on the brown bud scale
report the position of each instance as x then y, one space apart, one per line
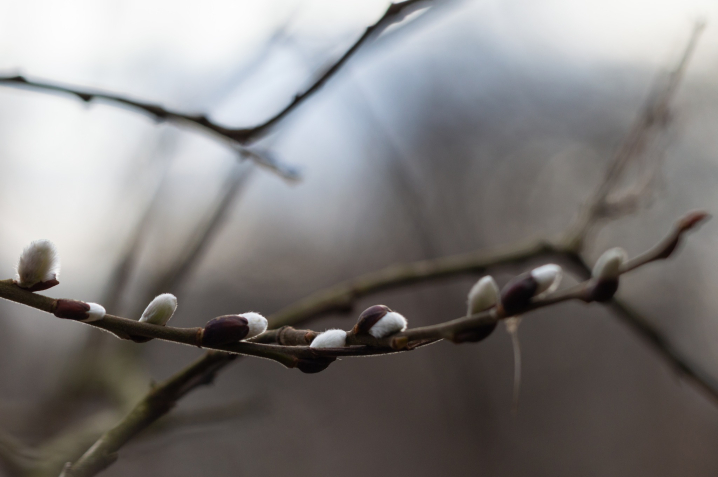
42 285
71 309
517 294
369 317
224 330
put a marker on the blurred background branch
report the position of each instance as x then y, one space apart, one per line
105 381
395 13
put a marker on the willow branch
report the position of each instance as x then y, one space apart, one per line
156 404
236 136
220 414
653 118
288 338
206 232
341 298
656 340
663 348
295 356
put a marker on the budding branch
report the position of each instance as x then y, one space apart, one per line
291 347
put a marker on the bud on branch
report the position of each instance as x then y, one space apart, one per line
518 293
232 328
225 329
158 312
257 323
330 339
482 296
39 266
380 321
78 310
605 275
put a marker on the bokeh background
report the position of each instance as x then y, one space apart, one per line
472 125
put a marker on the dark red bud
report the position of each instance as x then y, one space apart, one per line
224 330
517 294
369 317
42 285
71 309
474 335
315 365
603 290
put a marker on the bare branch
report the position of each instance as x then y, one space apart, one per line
342 297
193 250
658 342
653 119
209 415
155 405
237 137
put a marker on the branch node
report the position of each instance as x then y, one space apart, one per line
400 343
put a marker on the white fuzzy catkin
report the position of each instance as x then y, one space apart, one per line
97 312
609 264
389 324
483 295
160 310
38 263
330 339
547 277
256 322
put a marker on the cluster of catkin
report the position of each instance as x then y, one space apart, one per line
39 268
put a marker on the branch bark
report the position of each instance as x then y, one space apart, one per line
155 405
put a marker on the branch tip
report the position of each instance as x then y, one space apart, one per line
692 220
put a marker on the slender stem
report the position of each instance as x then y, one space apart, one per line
206 233
156 404
341 298
658 342
396 12
653 118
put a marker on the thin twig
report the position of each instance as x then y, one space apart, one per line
657 341
193 250
236 136
341 298
219 414
653 118
156 404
